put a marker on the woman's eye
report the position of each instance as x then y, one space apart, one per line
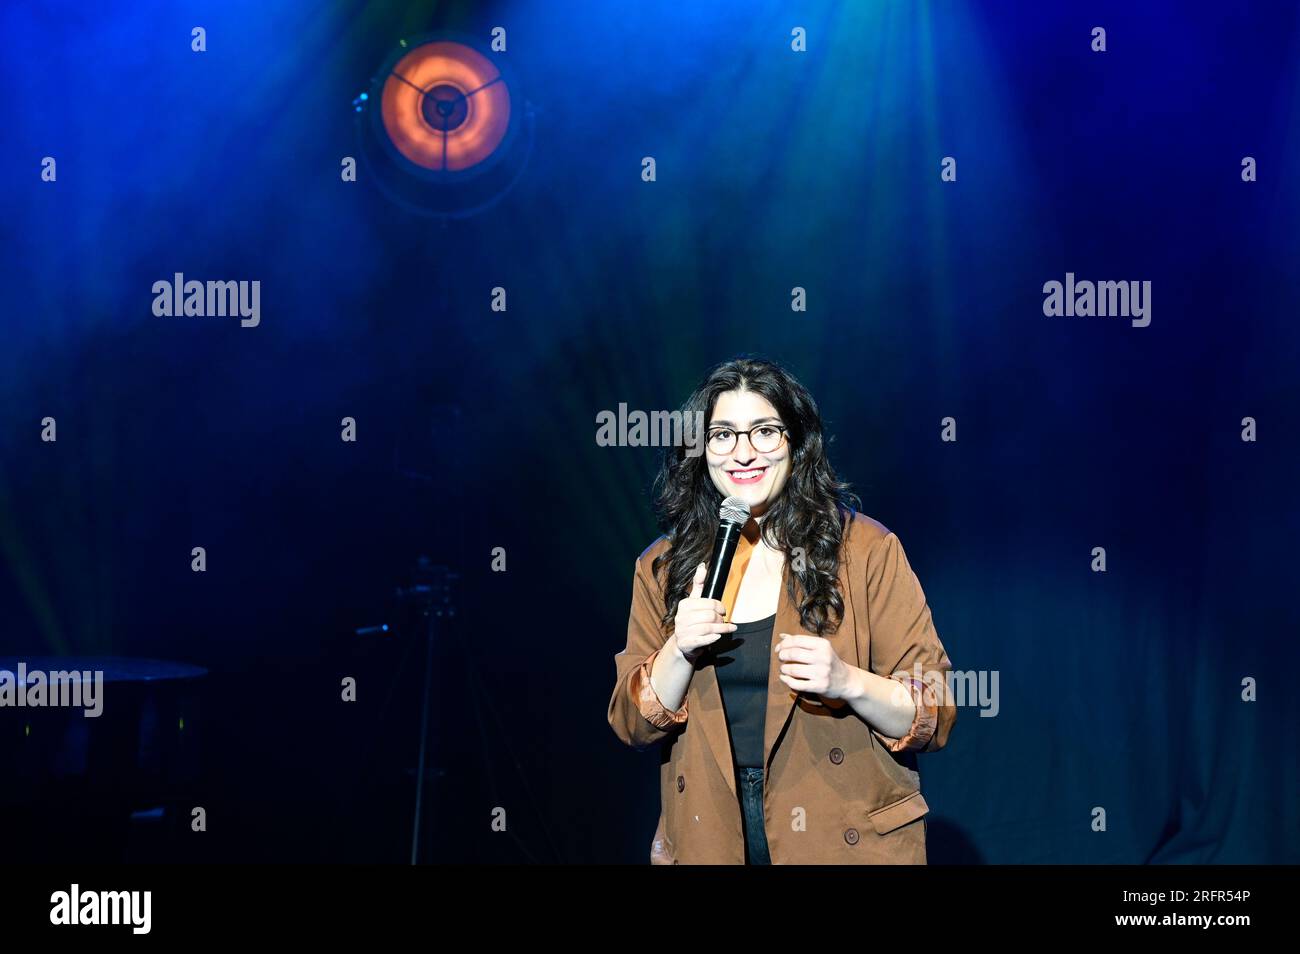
767 432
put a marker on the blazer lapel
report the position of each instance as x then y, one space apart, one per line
707 709
707 713
780 697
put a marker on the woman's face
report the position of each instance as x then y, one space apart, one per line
756 477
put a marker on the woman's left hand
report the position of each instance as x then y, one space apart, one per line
809 664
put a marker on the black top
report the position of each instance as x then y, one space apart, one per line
742 663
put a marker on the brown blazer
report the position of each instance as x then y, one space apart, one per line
835 790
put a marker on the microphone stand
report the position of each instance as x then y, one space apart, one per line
433 599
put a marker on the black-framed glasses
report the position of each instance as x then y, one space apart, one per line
764 438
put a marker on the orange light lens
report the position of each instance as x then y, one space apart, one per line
472 96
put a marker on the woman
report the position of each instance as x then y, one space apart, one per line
789 712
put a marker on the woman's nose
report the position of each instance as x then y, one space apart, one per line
744 453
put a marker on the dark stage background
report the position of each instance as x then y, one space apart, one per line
476 428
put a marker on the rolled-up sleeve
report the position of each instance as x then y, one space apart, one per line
636 714
924 723
905 647
654 711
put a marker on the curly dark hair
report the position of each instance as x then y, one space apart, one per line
812 510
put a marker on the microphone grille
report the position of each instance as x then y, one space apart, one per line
734 510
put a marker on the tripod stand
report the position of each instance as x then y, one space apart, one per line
431 595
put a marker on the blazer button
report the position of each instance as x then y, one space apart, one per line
837 755
681 783
851 836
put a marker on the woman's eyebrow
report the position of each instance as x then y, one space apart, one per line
760 420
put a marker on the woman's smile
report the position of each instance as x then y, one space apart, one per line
751 475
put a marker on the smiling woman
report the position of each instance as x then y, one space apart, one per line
816 733
765 458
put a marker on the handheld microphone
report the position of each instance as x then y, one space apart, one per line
732 517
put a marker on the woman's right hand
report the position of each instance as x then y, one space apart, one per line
699 622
